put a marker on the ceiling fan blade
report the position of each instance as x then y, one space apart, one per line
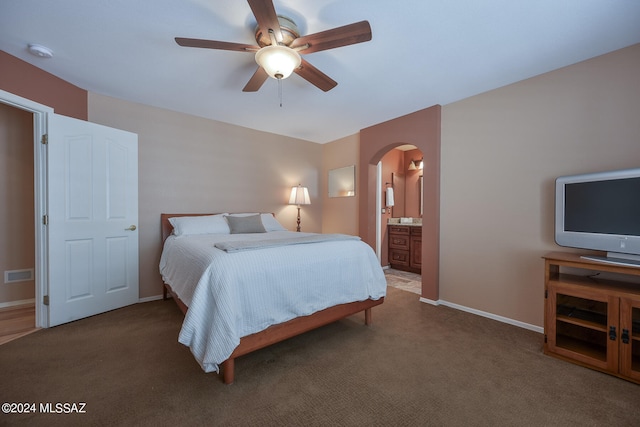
212 44
342 36
315 76
265 14
256 81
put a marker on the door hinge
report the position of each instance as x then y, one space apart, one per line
44 139
546 294
545 338
45 219
45 299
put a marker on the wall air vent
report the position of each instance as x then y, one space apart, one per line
12 276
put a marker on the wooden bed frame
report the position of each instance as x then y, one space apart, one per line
279 332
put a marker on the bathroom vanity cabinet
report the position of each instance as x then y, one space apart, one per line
405 247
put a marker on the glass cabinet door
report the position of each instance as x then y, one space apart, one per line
630 338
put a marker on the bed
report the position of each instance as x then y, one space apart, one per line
242 289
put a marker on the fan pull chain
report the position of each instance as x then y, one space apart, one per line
280 91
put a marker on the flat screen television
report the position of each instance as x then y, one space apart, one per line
600 212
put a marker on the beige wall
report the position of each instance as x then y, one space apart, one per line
191 164
501 152
339 214
17 246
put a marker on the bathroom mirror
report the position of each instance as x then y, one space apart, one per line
342 182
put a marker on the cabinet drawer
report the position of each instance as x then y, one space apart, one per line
399 229
416 231
399 241
399 257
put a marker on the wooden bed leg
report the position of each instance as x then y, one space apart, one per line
164 292
367 316
227 371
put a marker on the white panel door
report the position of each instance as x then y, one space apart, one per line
92 198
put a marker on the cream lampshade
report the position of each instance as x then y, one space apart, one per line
299 196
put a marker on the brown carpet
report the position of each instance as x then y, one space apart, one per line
417 365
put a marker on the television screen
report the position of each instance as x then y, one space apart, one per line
600 212
607 207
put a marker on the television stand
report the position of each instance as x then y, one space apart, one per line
589 320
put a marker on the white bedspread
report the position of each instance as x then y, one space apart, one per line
231 295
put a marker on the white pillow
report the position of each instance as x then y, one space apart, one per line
205 224
270 223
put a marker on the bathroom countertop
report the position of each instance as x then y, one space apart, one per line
396 221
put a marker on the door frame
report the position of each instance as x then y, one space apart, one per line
379 210
40 113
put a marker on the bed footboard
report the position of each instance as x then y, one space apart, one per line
293 327
283 331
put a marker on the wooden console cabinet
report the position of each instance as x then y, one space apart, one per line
591 320
405 247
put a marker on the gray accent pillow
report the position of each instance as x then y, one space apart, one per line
245 224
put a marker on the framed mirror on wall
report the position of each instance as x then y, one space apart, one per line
342 182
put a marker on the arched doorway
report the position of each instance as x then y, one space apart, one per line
421 129
401 171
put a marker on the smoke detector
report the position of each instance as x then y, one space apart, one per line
40 51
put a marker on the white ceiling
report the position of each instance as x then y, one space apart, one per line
423 52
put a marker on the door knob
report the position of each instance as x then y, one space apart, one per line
131 228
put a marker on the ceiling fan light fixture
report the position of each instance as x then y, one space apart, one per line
278 61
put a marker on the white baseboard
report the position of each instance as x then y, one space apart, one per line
19 302
485 314
148 299
429 301
32 301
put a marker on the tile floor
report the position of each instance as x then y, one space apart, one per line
404 280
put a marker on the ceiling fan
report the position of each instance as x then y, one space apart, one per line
279 46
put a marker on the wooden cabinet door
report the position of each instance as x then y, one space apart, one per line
416 251
583 325
630 338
